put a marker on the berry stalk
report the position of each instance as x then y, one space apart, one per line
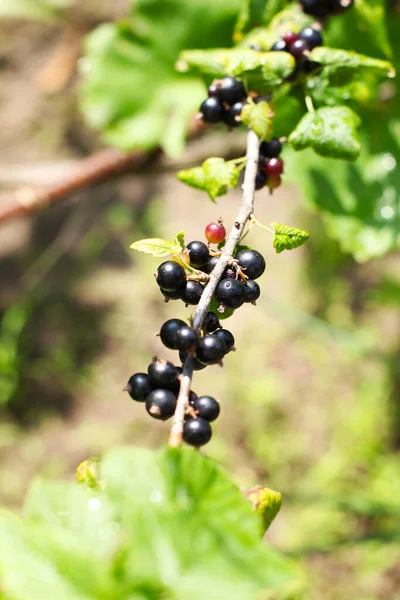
245 211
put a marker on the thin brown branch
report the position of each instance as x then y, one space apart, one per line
245 211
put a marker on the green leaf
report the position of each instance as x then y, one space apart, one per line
214 176
330 131
337 59
157 247
40 10
258 118
370 15
266 502
88 473
179 240
251 14
287 238
130 90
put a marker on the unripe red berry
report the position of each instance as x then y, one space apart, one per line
274 181
290 37
215 233
274 166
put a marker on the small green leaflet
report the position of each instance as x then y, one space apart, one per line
337 59
287 238
258 118
160 248
330 131
214 176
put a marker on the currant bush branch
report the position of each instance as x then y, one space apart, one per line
245 212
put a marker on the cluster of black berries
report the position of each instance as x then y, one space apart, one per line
325 8
159 389
270 166
299 46
226 98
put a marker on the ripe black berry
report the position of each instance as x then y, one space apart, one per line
230 115
170 276
252 291
197 365
162 373
168 332
229 273
207 408
261 180
198 254
271 149
186 338
160 404
252 262
230 293
317 8
210 264
231 91
280 46
139 387
197 432
191 292
226 338
175 295
298 48
211 322
212 91
312 36
212 110
210 350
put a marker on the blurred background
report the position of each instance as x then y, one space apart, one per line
311 399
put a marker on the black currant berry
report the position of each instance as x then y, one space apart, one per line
198 254
252 263
312 36
186 338
170 276
210 350
280 46
160 404
162 373
230 117
139 387
175 295
229 273
231 91
207 408
197 432
230 293
271 149
191 292
197 365
316 8
261 179
211 322
212 110
192 397
168 332
252 291
226 338
210 264
298 48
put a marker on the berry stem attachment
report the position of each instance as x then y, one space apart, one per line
245 211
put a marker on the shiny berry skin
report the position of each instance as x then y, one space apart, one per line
215 233
168 332
252 291
212 91
280 46
211 322
160 404
162 373
261 180
207 408
212 110
226 338
139 387
231 91
274 181
198 254
252 263
298 48
210 350
191 292
230 293
274 166
186 338
175 295
170 276
231 114
197 365
290 37
197 432
271 149
210 264
311 36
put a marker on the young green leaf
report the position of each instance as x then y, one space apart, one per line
287 238
330 131
266 502
88 473
214 176
179 239
259 118
157 247
337 59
